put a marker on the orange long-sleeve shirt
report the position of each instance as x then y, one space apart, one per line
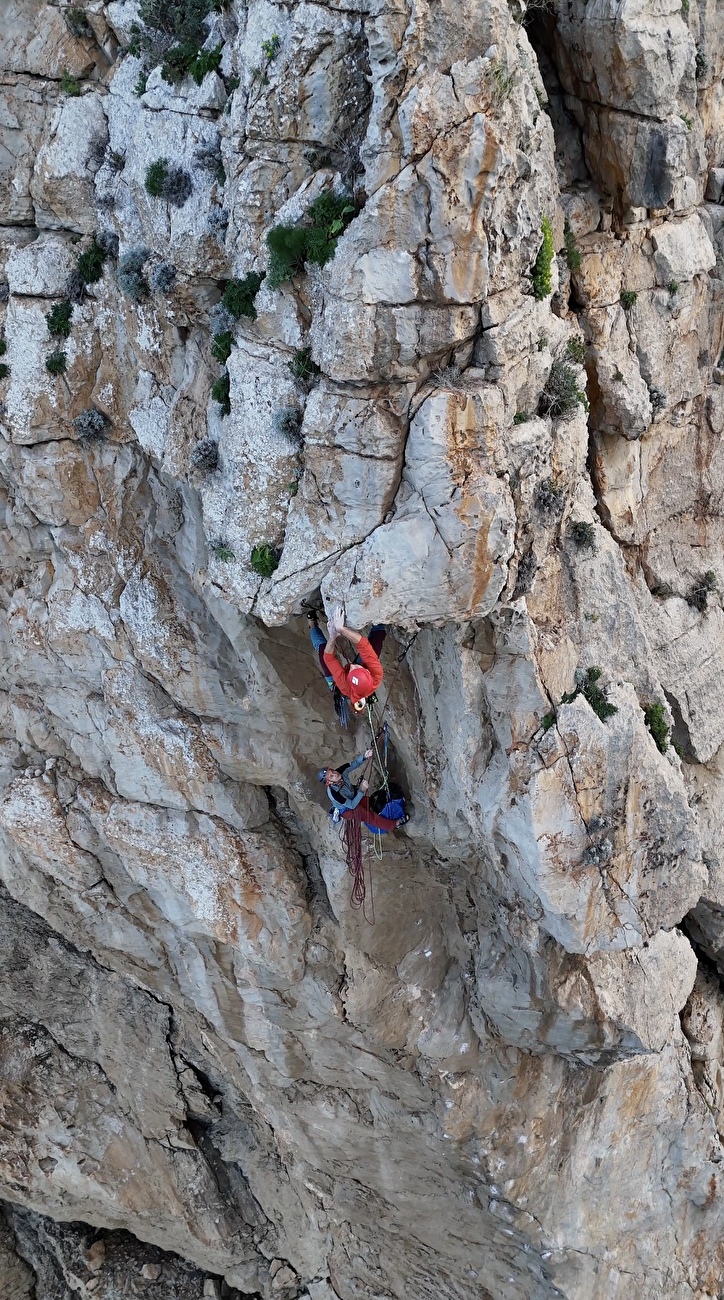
370 661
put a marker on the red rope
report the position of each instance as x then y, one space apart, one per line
361 878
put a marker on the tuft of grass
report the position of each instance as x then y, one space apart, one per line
141 84
685 9
69 85
673 287
90 263
590 690
628 299
4 370
503 83
547 720
618 376
205 456
264 560
655 720
688 121
583 533
541 274
302 366
238 296
222 551
288 421
701 65
703 588
116 161
220 391
521 417
291 247
221 346
58 320
56 363
573 256
561 394
156 175
576 350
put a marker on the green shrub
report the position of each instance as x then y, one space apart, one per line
573 256
163 277
618 375
590 690
547 720
703 588
561 394
583 533
3 347
541 275
521 417
141 84
701 65
576 350
56 363
171 183
4 370
673 287
264 560
656 722
238 296
173 33
156 177
302 366
685 9
629 298
271 48
220 392
90 263
59 319
78 25
293 246
221 346
688 121
222 551
69 85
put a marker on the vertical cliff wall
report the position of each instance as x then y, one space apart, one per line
472 391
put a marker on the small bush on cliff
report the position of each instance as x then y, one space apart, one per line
655 720
549 498
302 366
573 256
590 690
264 560
576 350
91 424
220 391
130 273
4 369
164 181
629 298
173 33
69 85
288 421
291 247
221 347
238 296
205 456
222 551
78 25
703 588
56 363
561 395
583 533
163 277
90 263
58 320
541 275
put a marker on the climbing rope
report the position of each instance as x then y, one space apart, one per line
361 875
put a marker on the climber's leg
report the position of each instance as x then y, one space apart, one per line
319 641
363 813
376 639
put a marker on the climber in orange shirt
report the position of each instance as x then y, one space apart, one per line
358 680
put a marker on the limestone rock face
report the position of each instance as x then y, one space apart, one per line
502 1076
